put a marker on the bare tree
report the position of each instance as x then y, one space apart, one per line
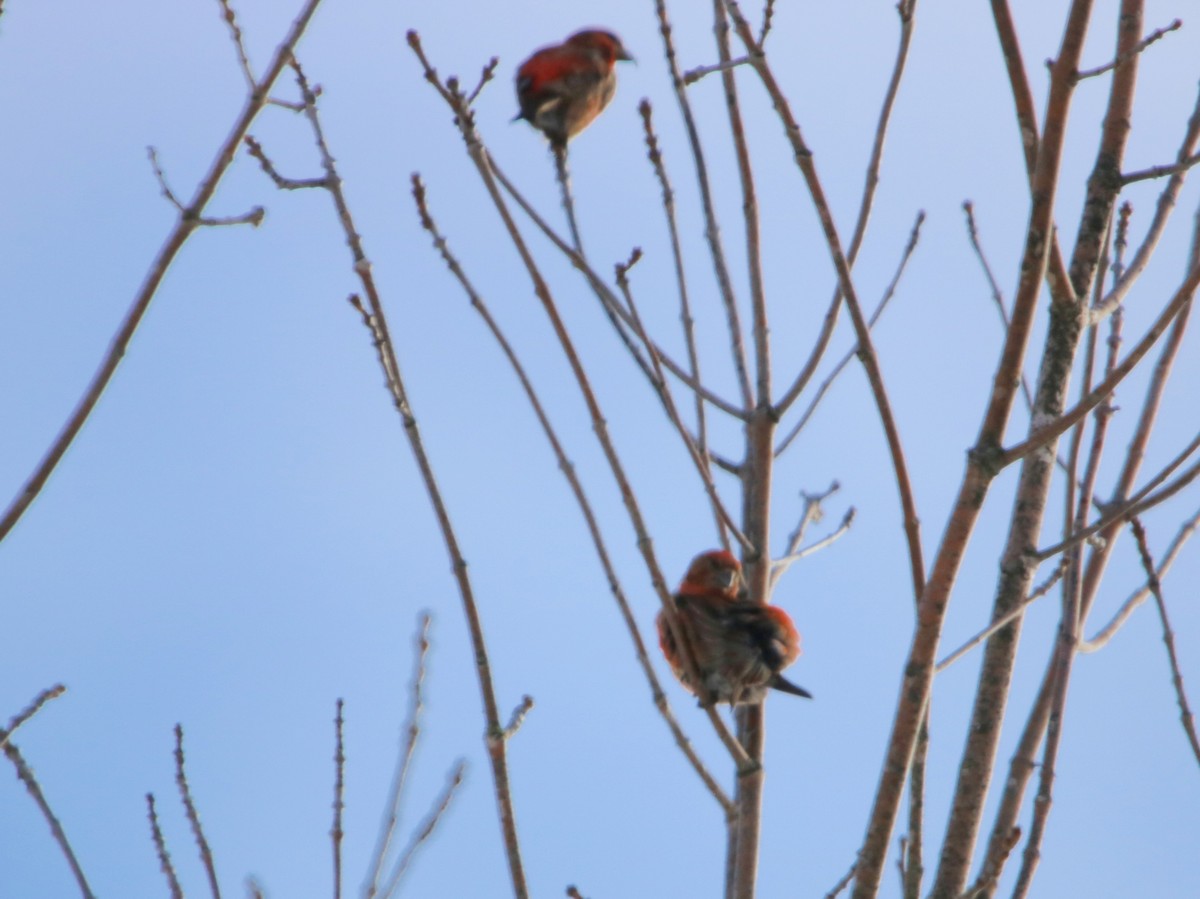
738 423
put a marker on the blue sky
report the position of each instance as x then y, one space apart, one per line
238 537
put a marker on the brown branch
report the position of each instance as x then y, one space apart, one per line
254 217
726 523
339 803
185 794
254 148
422 833
26 776
563 176
1160 171
567 467
997 294
685 310
1004 621
1145 42
691 76
609 299
803 159
823 389
843 883
1135 599
712 231
375 320
1164 206
489 71
160 849
518 717
236 34
187 223
1052 430
1146 498
481 159
1185 711
412 732
905 10
29 711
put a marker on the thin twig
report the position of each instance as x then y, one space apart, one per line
712 231
905 10
823 389
180 232
993 284
411 731
160 849
728 525
1041 590
254 217
563 175
339 803
481 159
185 794
1160 171
374 318
26 775
843 883
1144 499
1164 206
567 467
236 34
1185 710
685 310
254 148
1106 633
489 71
427 827
29 711
1145 42
610 301
691 76
518 717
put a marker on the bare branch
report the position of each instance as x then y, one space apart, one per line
188 221
160 848
412 731
481 159
691 76
485 76
254 148
235 33
843 883
1003 621
423 832
1140 595
1051 431
1145 42
909 247
185 794
712 231
1160 171
25 774
1185 711
905 11
254 217
685 311
518 717
339 803
29 711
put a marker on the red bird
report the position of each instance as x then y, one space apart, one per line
739 645
561 89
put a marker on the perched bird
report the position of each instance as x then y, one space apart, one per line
739 646
561 89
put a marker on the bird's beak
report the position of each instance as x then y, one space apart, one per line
623 54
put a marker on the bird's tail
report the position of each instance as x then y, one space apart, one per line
779 682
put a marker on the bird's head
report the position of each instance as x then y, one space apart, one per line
603 44
714 572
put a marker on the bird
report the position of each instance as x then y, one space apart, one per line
561 89
740 646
